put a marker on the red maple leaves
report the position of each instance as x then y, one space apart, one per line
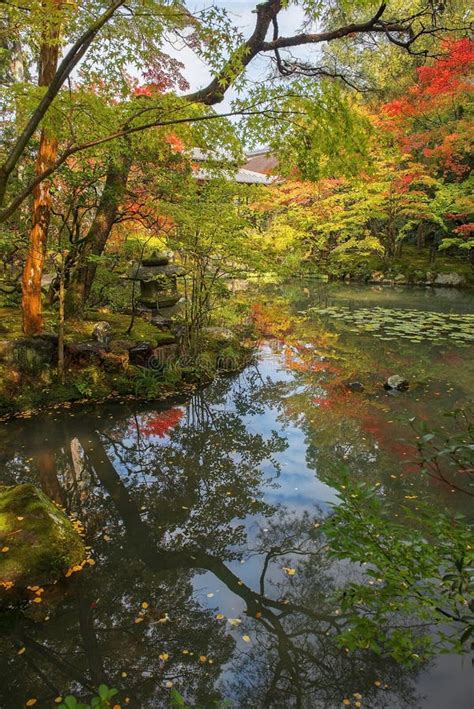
430 119
161 423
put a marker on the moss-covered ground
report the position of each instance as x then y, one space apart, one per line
38 542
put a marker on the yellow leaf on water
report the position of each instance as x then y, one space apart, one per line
145 605
124 674
234 621
377 683
31 702
20 518
220 616
202 658
346 701
246 638
37 599
21 650
164 656
289 570
138 620
4 550
169 684
58 700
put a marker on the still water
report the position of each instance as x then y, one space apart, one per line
194 511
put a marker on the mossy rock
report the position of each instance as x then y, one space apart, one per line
38 541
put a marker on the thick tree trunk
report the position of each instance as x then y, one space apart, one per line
83 273
47 153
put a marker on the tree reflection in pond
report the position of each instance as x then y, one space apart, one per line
161 510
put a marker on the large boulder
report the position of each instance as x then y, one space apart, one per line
449 279
38 543
83 353
32 354
140 354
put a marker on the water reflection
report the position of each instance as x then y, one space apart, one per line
160 508
197 515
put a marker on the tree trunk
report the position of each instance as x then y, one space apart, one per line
83 273
47 153
420 236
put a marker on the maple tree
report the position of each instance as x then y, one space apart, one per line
411 179
99 43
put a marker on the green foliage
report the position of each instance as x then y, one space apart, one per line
148 383
101 701
415 597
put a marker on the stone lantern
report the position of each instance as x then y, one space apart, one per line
158 284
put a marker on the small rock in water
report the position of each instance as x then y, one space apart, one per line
396 382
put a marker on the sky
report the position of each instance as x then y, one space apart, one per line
241 12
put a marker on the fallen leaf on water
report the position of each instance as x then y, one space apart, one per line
4 550
220 616
289 570
145 605
138 620
210 595
246 638
169 684
346 701
164 656
124 674
37 599
21 650
258 614
31 702
234 621
377 683
58 700
202 658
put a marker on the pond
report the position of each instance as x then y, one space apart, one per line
198 513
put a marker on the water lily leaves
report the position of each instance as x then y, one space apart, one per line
413 325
